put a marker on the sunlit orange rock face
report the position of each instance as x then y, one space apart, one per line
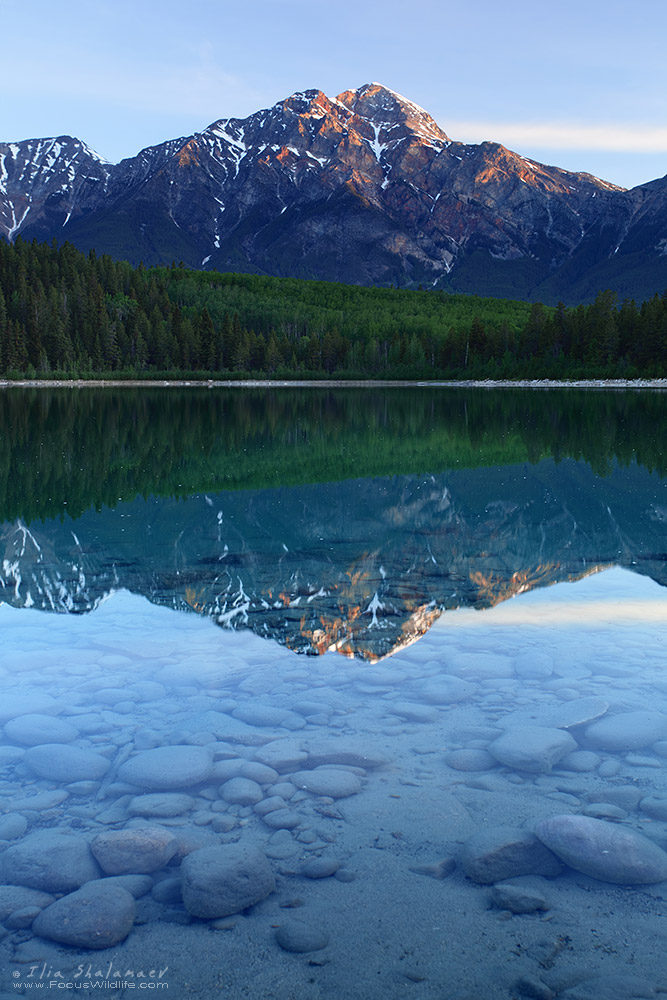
367 174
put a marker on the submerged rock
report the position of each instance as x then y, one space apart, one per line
60 762
137 850
51 861
299 936
532 748
328 781
167 767
627 731
218 881
37 728
504 852
605 851
96 916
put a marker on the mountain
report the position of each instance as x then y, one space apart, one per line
364 188
362 566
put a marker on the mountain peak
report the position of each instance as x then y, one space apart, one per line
382 106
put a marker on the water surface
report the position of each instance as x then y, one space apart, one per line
185 568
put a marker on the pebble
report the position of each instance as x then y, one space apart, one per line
532 748
281 819
136 885
470 760
609 768
219 881
605 851
533 665
167 767
34 729
22 919
241 791
580 760
320 867
169 890
48 860
300 936
136 850
96 916
447 690
604 810
327 781
343 752
59 762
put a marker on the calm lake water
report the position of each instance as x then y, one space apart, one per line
333 693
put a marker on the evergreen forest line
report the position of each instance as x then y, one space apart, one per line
63 453
64 314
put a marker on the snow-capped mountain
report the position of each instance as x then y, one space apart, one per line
363 188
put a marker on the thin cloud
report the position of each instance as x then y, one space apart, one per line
608 138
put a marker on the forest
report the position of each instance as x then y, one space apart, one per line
64 314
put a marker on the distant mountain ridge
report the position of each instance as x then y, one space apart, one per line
364 188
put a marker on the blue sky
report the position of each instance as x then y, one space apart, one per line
582 85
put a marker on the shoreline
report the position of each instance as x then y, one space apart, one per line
656 383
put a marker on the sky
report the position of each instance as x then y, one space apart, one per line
581 84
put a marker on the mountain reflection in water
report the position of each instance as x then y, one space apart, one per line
321 518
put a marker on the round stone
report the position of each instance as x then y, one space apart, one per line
605 851
17 897
33 729
320 867
241 791
327 781
299 936
532 748
96 916
225 879
12 825
136 850
58 762
470 759
167 767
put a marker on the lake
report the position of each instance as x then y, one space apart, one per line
322 693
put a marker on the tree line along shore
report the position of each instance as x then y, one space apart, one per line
65 314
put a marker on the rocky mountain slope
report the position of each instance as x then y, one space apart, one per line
363 188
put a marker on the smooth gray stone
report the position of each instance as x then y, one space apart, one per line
22 919
580 761
503 852
168 767
135 850
533 665
33 729
96 916
241 791
327 781
320 867
16 897
627 731
281 755
60 762
471 759
281 819
341 751
270 804
41 802
605 851
532 748
218 881
160 804
169 890
300 937
260 773
51 861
